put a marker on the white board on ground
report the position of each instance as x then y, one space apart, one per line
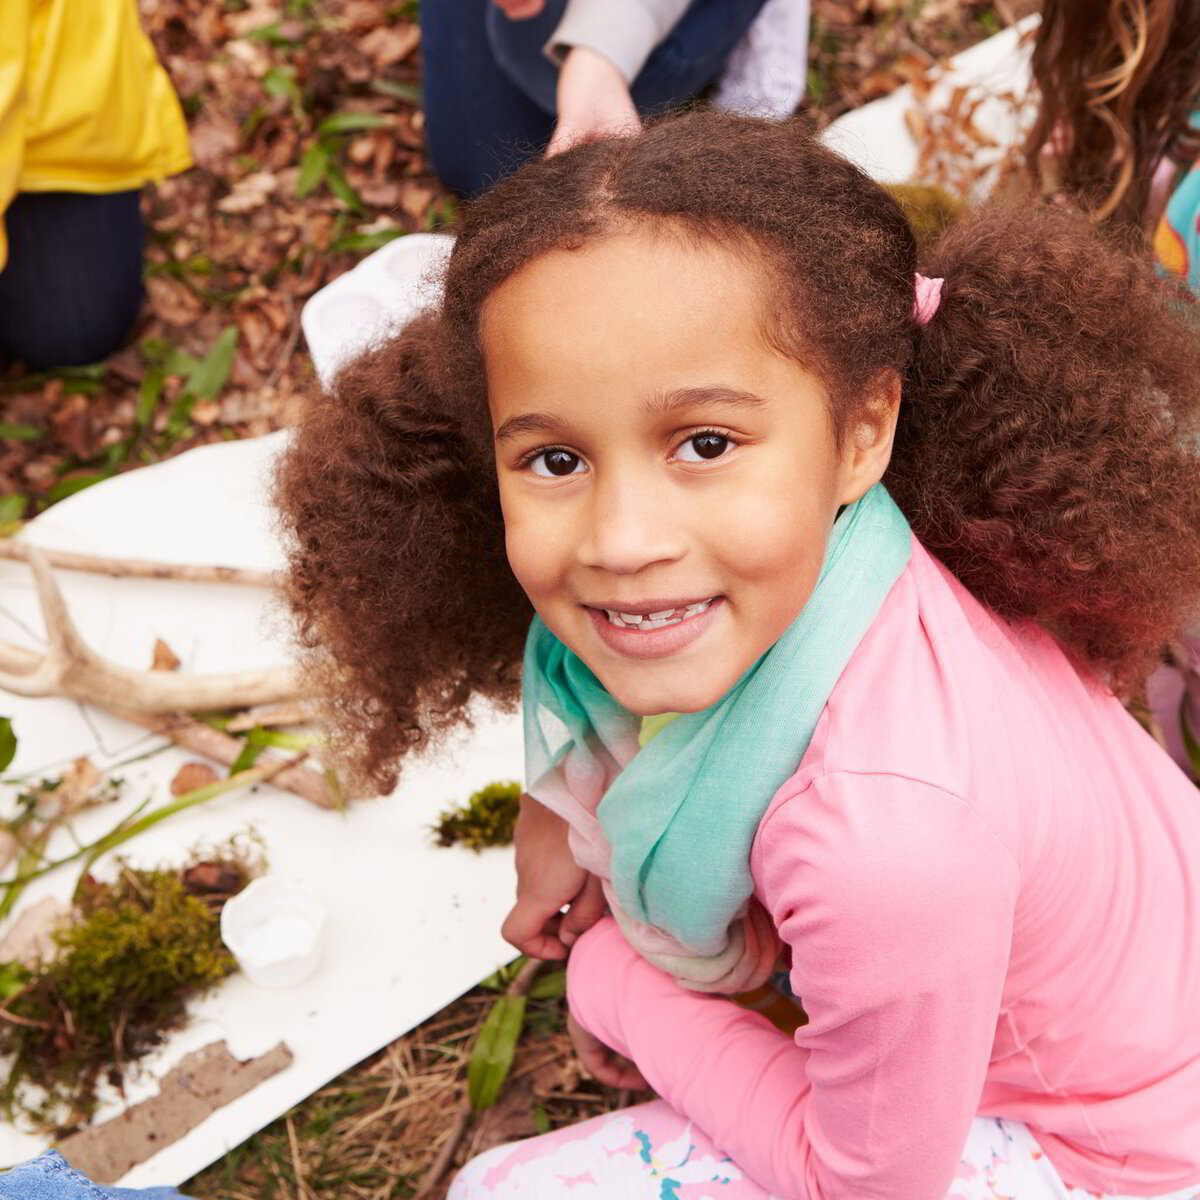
410 926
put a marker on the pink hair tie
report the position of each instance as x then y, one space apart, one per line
928 297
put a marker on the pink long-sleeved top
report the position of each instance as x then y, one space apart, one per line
988 876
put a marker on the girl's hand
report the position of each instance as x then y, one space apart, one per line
593 101
547 878
601 1063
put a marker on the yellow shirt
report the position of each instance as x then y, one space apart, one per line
84 104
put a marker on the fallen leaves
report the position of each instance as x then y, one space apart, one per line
164 658
386 45
239 242
192 775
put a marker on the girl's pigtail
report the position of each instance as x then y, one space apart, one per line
404 602
1047 447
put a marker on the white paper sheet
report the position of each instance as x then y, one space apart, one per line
410 925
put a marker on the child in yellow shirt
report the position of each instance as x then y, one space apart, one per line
87 116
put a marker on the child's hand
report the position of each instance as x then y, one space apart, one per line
593 101
547 878
601 1063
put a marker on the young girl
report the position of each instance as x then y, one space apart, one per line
656 412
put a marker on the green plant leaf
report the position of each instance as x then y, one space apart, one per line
313 166
8 742
408 92
68 487
351 122
360 242
209 375
249 753
492 1056
551 986
340 187
14 432
148 396
13 977
541 1122
281 82
12 507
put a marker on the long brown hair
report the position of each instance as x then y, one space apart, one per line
1042 450
1119 80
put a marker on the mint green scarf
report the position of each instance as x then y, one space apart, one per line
680 815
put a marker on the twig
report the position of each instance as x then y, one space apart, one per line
136 568
5 1015
288 350
212 743
519 987
290 713
69 667
297 1165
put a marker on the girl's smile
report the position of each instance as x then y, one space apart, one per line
647 631
668 478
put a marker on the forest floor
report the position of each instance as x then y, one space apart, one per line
306 130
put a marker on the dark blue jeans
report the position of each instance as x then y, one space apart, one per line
489 89
72 286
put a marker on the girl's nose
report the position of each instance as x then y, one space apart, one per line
628 528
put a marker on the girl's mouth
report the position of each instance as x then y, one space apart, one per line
654 634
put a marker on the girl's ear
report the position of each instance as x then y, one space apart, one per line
868 448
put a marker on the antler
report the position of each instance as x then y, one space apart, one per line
70 667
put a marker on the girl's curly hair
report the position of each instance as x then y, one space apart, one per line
1045 449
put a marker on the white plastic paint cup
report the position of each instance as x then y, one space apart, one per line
274 928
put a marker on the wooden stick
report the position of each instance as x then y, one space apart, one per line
212 743
70 667
136 568
290 713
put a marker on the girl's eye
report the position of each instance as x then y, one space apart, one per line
555 463
703 446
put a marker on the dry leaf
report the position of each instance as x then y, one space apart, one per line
389 44
192 775
74 790
30 938
249 193
173 302
213 138
165 659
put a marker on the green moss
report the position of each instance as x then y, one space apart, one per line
123 973
487 818
930 210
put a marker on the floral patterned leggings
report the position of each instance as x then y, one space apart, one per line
649 1152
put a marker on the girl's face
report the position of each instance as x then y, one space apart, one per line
668 479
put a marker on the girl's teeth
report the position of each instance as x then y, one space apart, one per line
655 620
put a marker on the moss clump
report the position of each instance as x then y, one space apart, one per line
487 818
119 981
930 210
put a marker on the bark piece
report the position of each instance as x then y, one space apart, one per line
207 1079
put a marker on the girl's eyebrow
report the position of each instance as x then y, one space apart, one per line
696 397
656 406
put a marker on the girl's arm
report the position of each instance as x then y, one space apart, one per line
897 902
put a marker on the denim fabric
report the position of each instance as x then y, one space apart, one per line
72 286
489 89
50 1177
